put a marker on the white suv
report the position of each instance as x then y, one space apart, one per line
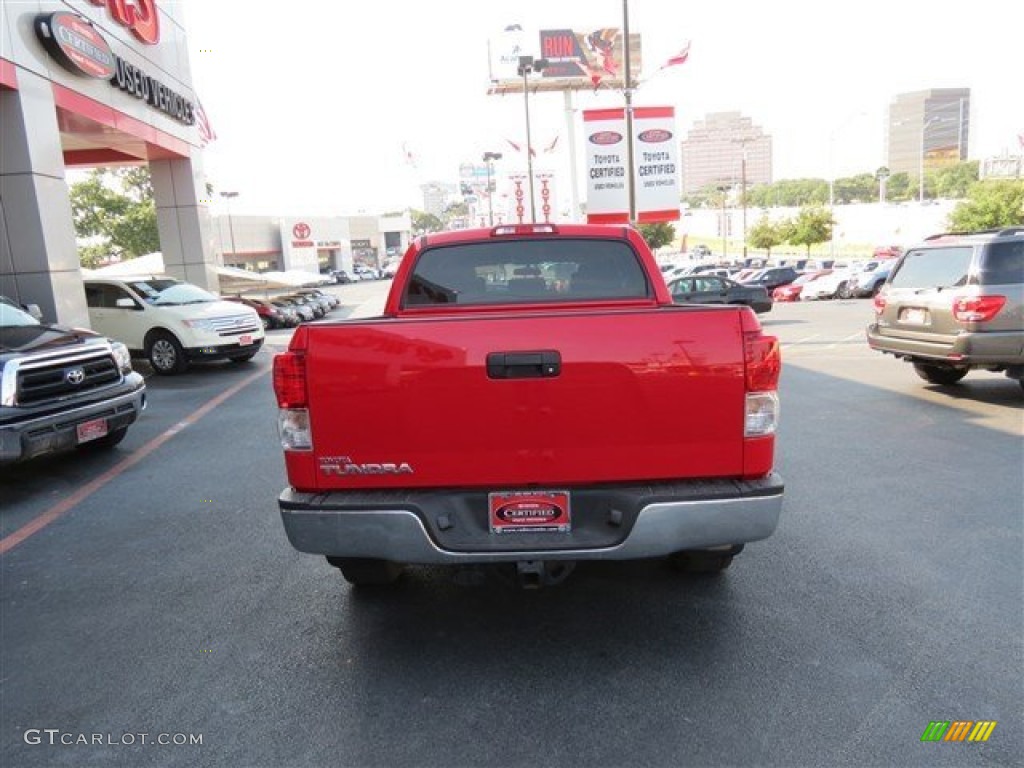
171 322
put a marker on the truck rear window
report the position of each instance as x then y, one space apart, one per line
528 270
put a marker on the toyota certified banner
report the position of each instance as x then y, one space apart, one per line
655 165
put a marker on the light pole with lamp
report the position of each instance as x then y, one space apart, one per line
489 157
528 64
743 188
229 196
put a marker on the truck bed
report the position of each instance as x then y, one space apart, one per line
638 395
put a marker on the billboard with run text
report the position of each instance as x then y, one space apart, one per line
575 60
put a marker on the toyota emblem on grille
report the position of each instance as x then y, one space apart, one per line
74 376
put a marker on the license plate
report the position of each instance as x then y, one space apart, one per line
245 340
90 430
530 512
914 315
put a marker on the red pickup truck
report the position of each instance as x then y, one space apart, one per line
530 396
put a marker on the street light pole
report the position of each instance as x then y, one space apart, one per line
528 64
231 228
488 158
628 93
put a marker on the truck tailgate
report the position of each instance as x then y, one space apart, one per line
637 395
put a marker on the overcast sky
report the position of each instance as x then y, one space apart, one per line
313 100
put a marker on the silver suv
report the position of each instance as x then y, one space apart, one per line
953 303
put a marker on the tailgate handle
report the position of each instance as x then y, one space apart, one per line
544 364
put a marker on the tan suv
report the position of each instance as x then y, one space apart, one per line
955 303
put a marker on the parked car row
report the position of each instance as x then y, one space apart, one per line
288 310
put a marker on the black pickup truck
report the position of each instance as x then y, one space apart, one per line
61 388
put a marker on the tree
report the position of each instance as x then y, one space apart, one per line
991 203
955 181
457 210
812 225
114 209
423 222
900 187
658 234
766 234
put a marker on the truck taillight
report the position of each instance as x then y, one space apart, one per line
762 414
290 380
524 229
977 309
763 361
293 428
762 366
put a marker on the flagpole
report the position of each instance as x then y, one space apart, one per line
628 91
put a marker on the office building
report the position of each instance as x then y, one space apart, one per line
713 151
928 130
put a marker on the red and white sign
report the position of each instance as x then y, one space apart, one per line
544 197
655 165
301 231
530 512
140 16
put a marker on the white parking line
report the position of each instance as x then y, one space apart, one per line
801 341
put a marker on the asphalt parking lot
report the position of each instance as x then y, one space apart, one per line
152 591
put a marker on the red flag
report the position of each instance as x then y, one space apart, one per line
206 132
519 148
679 58
410 160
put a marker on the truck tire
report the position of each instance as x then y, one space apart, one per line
165 353
703 560
939 374
361 571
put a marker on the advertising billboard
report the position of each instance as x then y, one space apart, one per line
575 60
655 165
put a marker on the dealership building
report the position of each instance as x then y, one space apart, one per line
93 83
86 84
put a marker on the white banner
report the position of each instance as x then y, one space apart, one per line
656 157
655 160
544 197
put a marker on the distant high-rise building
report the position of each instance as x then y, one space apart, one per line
928 129
436 195
712 153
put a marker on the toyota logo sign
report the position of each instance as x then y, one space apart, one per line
74 376
301 230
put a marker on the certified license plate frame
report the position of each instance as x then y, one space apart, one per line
539 511
91 430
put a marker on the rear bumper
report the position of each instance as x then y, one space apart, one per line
965 348
450 527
